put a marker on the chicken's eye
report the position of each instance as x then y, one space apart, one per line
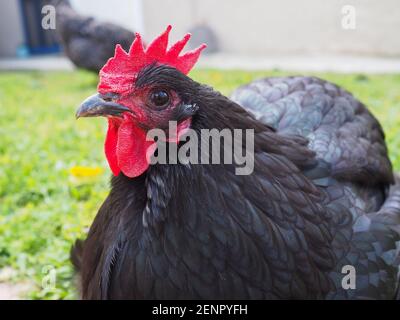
159 98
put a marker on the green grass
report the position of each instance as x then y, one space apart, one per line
44 208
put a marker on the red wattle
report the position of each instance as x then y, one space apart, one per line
132 149
126 147
110 147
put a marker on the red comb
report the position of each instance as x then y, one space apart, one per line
120 71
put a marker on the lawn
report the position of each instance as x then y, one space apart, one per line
53 174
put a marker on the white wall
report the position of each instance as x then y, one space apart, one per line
284 26
123 12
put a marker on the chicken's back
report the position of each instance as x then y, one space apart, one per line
353 170
340 129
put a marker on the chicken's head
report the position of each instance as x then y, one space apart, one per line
140 90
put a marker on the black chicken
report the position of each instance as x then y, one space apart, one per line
319 197
87 42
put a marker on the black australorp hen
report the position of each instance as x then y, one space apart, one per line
87 42
322 195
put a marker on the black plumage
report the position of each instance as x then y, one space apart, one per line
319 198
88 43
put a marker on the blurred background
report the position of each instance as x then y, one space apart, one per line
53 175
241 33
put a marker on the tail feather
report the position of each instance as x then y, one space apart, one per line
392 202
392 208
76 254
76 259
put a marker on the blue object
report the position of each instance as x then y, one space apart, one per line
22 51
36 41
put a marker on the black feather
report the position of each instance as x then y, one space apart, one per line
315 202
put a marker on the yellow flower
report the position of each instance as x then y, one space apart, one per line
85 172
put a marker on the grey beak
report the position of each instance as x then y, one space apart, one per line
96 106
